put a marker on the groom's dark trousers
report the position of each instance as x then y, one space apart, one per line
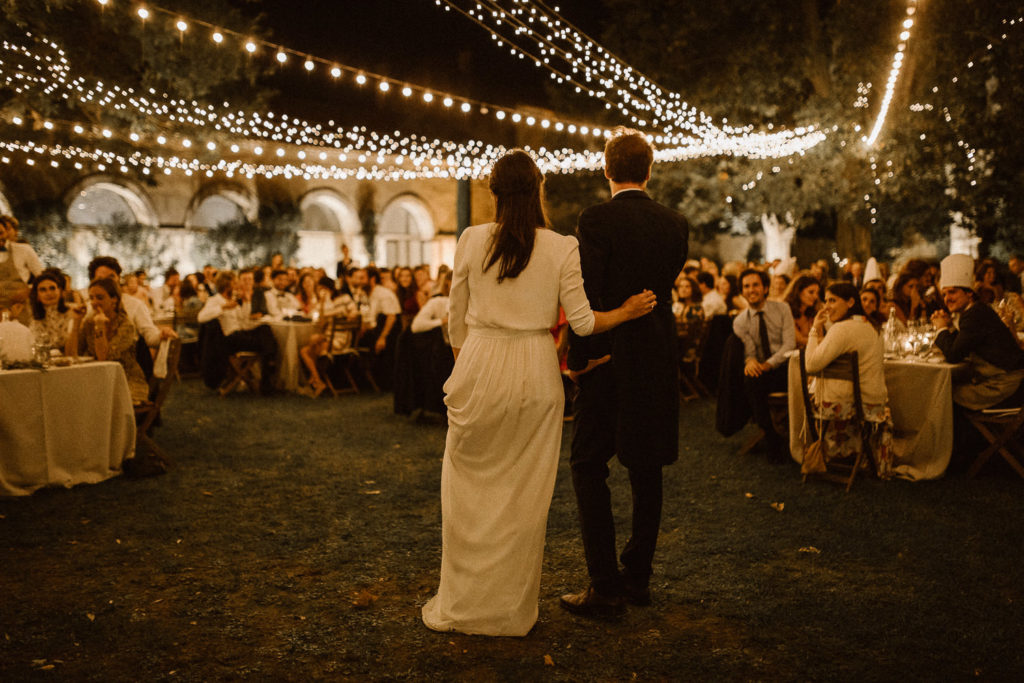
593 446
628 407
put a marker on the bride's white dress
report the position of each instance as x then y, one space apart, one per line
505 402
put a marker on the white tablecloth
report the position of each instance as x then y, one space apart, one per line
63 426
921 402
290 336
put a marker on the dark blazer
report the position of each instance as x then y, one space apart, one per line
259 301
629 244
982 333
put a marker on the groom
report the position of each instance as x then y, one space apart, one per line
627 402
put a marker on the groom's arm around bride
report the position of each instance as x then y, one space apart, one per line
627 401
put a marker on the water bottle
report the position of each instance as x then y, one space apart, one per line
891 335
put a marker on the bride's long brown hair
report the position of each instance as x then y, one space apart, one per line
516 183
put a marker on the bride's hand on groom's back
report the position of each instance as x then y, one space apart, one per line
639 304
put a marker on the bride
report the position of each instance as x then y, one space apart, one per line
505 401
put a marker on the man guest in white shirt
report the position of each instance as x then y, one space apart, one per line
768 334
711 299
281 302
18 264
382 333
239 335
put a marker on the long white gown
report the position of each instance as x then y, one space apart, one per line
505 402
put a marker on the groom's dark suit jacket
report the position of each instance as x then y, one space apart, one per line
629 244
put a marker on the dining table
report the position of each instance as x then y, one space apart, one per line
291 335
63 426
920 395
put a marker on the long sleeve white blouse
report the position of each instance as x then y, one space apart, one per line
528 302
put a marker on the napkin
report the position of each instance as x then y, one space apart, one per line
15 342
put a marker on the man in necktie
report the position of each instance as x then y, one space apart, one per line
768 334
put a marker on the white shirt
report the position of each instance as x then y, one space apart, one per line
383 300
713 304
431 315
26 262
280 301
231 319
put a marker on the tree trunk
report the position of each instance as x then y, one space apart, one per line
817 70
778 237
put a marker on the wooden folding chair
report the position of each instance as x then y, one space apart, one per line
347 354
692 336
845 367
146 413
1002 429
778 407
241 370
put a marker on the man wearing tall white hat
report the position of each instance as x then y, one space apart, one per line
995 361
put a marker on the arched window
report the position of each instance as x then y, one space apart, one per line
328 221
105 202
404 233
220 203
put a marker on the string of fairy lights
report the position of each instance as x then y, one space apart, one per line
299 144
662 114
881 172
894 74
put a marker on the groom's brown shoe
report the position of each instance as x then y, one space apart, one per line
590 603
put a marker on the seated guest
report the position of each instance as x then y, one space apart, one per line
18 263
314 352
307 295
425 287
407 293
435 312
51 317
777 290
207 281
906 298
987 285
107 268
165 297
995 361
803 300
381 326
238 335
711 301
871 302
766 330
851 331
188 327
688 305
281 302
728 286
132 288
108 333
251 299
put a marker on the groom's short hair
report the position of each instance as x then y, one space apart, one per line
628 156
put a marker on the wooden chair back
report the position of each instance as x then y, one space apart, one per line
846 367
147 413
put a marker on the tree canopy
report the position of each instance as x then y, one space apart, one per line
825 62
